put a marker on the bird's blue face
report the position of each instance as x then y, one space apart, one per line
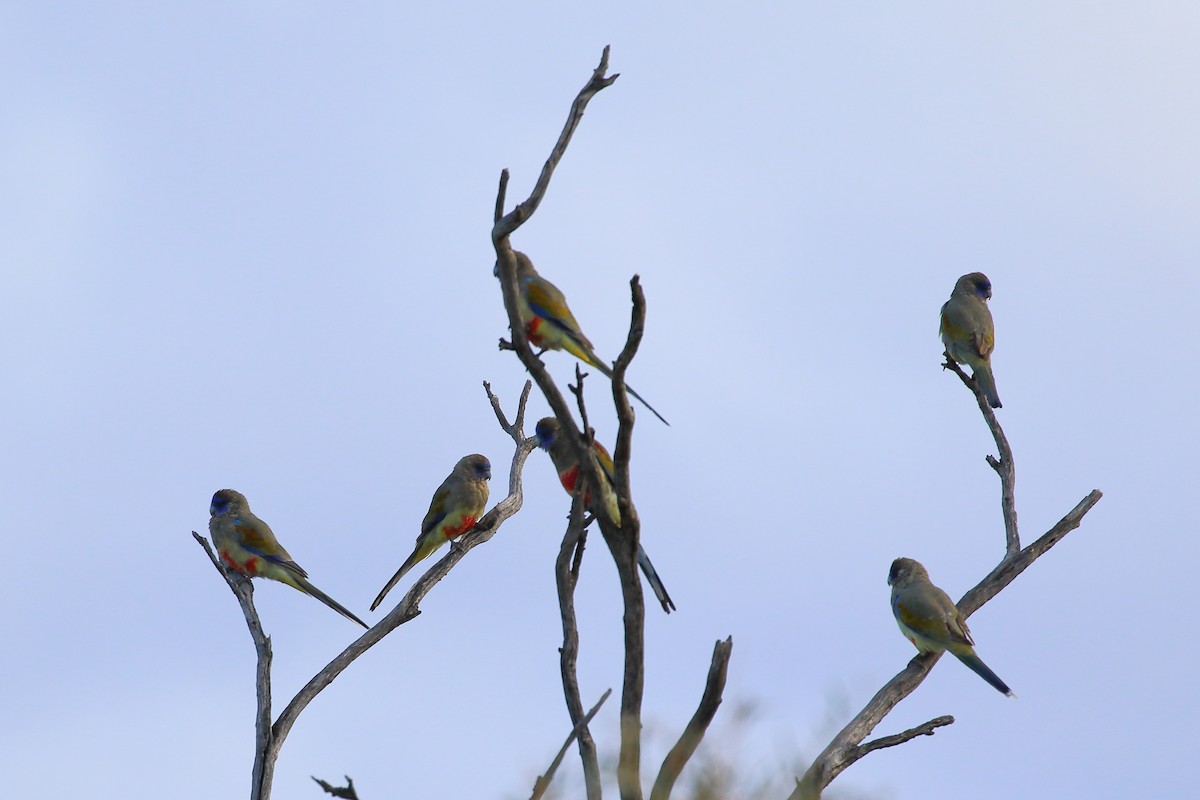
983 288
545 432
219 505
483 469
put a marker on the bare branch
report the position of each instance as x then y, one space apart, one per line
1004 465
543 782
346 791
409 606
925 729
566 576
692 735
270 737
845 749
507 225
263 772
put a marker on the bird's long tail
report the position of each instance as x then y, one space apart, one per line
987 384
588 357
404 568
975 663
303 585
655 582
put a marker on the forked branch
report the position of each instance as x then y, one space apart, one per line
270 737
846 747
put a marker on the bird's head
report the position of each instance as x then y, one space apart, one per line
224 501
975 283
547 432
474 466
904 570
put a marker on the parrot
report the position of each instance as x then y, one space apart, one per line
548 432
245 543
967 331
929 619
550 325
455 508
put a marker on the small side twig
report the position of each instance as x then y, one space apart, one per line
346 791
543 782
924 729
692 735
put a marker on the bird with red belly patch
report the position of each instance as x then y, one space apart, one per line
245 543
550 439
549 323
456 506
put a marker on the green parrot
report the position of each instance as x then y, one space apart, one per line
456 506
929 619
967 331
245 543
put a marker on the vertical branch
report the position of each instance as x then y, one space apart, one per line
263 771
1004 465
566 576
623 543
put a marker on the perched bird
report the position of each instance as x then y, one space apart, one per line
456 506
246 544
929 619
550 439
967 331
549 323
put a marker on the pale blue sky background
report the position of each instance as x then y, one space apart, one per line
246 245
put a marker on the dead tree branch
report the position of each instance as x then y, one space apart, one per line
623 540
566 576
269 743
845 749
347 792
543 782
710 701
1003 466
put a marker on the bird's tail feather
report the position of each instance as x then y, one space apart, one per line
975 663
987 384
655 582
303 585
404 568
588 357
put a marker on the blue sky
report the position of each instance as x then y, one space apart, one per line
247 245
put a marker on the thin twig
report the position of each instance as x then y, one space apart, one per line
346 791
508 224
925 729
1004 465
543 782
692 735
